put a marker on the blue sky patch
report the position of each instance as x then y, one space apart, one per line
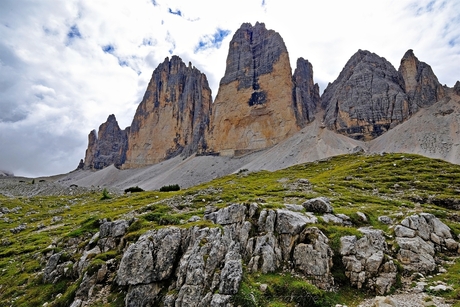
212 41
122 62
74 32
177 12
430 7
108 49
154 3
148 42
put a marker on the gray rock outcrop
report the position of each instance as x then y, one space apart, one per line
203 266
318 205
419 237
368 262
313 257
366 99
151 258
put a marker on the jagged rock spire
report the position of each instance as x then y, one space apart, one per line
172 117
254 106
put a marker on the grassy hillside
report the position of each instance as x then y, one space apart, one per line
390 184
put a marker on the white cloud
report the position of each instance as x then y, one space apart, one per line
66 65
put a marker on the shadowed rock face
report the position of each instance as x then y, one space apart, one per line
457 88
419 82
370 97
306 93
172 117
366 99
253 108
107 147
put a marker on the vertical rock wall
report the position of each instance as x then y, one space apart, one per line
420 83
305 94
254 106
172 117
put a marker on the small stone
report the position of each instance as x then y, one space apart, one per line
263 287
440 288
451 244
331 218
318 205
193 219
402 231
385 220
420 287
362 216
381 301
297 208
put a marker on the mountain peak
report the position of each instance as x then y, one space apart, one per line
419 82
254 106
172 117
366 99
106 147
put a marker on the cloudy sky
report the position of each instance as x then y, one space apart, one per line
66 65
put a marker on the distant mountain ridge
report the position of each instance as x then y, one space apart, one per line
261 103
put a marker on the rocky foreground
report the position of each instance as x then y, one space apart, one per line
204 265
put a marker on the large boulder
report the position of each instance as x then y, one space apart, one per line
318 205
415 254
419 236
235 213
289 222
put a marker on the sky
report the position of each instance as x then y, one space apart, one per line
65 66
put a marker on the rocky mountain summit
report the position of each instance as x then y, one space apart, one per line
107 147
370 97
172 117
420 83
262 107
253 109
366 99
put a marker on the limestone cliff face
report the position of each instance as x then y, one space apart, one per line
366 99
172 117
107 147
306 93
254 106
420 83
90 151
